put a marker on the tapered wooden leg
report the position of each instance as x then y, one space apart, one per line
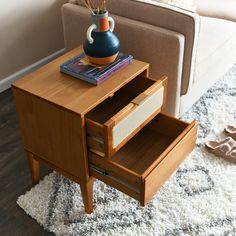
34 168
87 195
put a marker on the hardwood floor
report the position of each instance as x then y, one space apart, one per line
14 174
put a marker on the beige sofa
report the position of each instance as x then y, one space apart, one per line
193 49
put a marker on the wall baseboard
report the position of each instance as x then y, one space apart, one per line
6 82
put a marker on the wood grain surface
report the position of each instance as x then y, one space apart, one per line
52 133
71 93
15 178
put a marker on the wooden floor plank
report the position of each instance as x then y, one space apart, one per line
15 177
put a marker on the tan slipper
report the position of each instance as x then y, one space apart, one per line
225 148
230 130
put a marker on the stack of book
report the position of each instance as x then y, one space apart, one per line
81 68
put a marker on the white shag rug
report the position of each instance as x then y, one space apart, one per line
199 199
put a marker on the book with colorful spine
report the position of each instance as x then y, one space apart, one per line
80 67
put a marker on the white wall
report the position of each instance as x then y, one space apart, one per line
29 31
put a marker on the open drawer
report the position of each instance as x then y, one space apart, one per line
117 119
142 165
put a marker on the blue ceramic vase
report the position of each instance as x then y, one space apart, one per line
101 45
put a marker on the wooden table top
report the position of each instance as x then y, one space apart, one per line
50 84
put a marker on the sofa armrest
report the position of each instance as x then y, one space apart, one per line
169 17
143 41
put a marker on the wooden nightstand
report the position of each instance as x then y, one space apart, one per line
113 132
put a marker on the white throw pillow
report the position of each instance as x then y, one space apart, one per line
184 4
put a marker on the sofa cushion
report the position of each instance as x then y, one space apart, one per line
217 41
217 8
215 55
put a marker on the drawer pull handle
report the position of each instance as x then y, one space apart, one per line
148 92
134 103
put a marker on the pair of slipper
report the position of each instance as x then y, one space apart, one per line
227 147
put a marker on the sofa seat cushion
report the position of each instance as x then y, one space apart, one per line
224 9
217 41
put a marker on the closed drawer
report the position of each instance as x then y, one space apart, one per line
116 120
142 165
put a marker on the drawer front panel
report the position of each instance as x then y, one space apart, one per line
169 164
137 116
